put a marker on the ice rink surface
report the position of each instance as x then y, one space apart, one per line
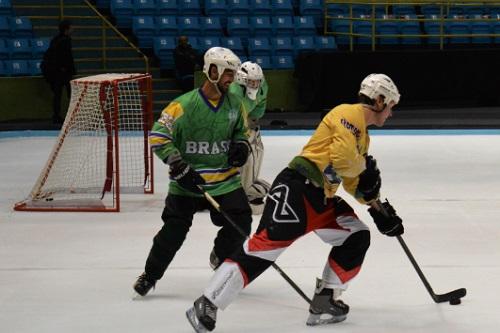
73 272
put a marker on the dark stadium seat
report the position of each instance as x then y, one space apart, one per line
122 10
189 7
402 10
39 46
19 48
238 8
144 7
234 43
211 26
282 62
167 7
189 25
263 61
325 43
282 7
21 27
303 44
283 25
204 43
215 7
34 67
304 26
260 7
259 46
16 67
408 27
282 46
144 29
261 26
4 27
388 27
163 48
480 28
166 26
458 27
5 7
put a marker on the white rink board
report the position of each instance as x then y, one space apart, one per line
73 272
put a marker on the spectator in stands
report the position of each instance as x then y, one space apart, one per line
58 66
185 59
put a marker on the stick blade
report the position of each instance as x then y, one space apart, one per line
455 294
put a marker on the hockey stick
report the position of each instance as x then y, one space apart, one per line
216 205
453 296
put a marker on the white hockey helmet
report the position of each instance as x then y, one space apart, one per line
222 58
380 84
250 75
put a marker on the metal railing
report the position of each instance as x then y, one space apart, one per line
374 17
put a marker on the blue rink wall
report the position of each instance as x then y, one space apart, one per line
30 133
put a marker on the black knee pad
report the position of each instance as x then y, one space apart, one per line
352 253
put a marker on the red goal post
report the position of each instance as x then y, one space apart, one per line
102 150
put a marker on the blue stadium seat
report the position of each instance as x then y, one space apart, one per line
429 10
410 28
283 26
194 41
215 7
122 10
207 42
189 7
39 46
263 61
189 25
340 25
166 26
304 26
303 44
5 7
313 8
238 7
433 27
4 50
4 27
259 46
19 48
495 29
365 28
282 7
144 29
34 67
16 67
458 28
402 10
388 27
261 26
2 69
282 46
167 7
325 43
337 10
475 10
21 27
211 26
238 26
164 49
234 44
283 62
144 7
480 28
455 11
260 7
102 4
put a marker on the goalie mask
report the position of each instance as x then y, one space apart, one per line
222 58
250 75
380 84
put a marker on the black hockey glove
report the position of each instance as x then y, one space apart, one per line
185 176
369 180
391 224
238 153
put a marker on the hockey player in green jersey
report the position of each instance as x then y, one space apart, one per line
202 136
252 87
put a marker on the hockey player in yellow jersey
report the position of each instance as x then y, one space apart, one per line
303 198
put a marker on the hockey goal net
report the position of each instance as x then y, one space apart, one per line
102 150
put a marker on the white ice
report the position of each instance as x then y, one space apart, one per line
73 272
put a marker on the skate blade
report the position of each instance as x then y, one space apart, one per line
193 320
323 319
135 296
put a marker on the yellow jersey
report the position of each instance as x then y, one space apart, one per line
336 151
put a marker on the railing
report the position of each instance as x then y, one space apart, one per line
106 24
442 18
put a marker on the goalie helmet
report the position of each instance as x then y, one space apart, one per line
380 84
222 58
250 75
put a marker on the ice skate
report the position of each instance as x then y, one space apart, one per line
325 308
143 285
202 315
